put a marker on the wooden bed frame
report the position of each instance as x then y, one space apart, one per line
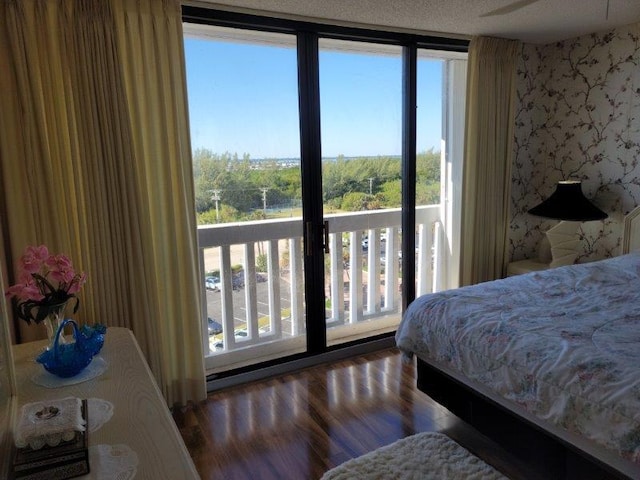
550 456
553 457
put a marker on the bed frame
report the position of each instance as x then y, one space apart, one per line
549 450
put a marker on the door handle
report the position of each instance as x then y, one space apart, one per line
308 245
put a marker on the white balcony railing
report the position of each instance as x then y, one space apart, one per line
265 310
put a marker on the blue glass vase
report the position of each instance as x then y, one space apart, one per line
68 359
95 336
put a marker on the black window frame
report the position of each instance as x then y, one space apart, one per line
307 34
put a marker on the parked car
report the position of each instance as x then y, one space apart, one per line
239 334
212 283
214 327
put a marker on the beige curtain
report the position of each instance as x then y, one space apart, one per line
486 183
95 163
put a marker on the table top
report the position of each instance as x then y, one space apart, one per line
141 418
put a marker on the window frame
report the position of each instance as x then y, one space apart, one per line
211 16
307 34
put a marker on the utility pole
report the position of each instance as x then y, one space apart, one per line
264 191
216 198
370 185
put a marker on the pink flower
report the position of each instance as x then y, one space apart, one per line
44 280
58 262
31 292
77 283
26 278
61 268
14 291
25 292
34 258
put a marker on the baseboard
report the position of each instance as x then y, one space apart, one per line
218 383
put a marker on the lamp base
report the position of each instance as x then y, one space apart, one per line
563 243
557 248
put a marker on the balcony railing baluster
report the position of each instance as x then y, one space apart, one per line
297 290
364 298
226 291
391 270
273 270
336 279
355 277
250 293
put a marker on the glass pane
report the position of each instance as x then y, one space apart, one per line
243 108
361 108
429 136
429 156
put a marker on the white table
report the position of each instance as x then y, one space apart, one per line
140 419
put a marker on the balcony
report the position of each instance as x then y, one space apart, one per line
262 312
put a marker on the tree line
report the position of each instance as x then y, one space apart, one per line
230 188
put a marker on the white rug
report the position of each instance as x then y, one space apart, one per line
428 455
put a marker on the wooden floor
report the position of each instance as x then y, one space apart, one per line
299 425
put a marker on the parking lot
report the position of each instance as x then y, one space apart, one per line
238 295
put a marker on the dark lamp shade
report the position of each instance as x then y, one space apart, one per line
568 203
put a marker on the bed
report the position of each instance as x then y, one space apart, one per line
547 363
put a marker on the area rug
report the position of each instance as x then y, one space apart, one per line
428 455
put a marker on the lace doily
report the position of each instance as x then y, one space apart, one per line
112 462
49 422
100 412
108 462
45 379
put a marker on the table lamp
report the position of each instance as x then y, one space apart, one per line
569 205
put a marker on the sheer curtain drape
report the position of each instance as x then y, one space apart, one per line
95 162
486 185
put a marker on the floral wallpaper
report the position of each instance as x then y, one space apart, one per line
578 117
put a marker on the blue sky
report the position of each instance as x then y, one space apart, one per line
243 99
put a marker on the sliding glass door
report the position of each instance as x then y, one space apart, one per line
243 103
307 171
361 120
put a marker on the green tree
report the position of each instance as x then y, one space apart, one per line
350 184
392 194
358 201
261 262
427 194
428 166
362 174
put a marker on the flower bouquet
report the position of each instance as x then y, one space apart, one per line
46 282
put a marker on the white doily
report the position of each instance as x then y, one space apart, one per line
45 379
100 412
49 422
112 462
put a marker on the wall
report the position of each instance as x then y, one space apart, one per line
578 117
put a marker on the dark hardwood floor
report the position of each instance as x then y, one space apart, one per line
299 425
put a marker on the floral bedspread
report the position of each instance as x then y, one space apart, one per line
563 343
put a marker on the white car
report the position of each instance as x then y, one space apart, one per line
212 283
239 335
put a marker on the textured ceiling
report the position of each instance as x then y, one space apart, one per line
538 21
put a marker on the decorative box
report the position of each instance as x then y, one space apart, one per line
51 442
